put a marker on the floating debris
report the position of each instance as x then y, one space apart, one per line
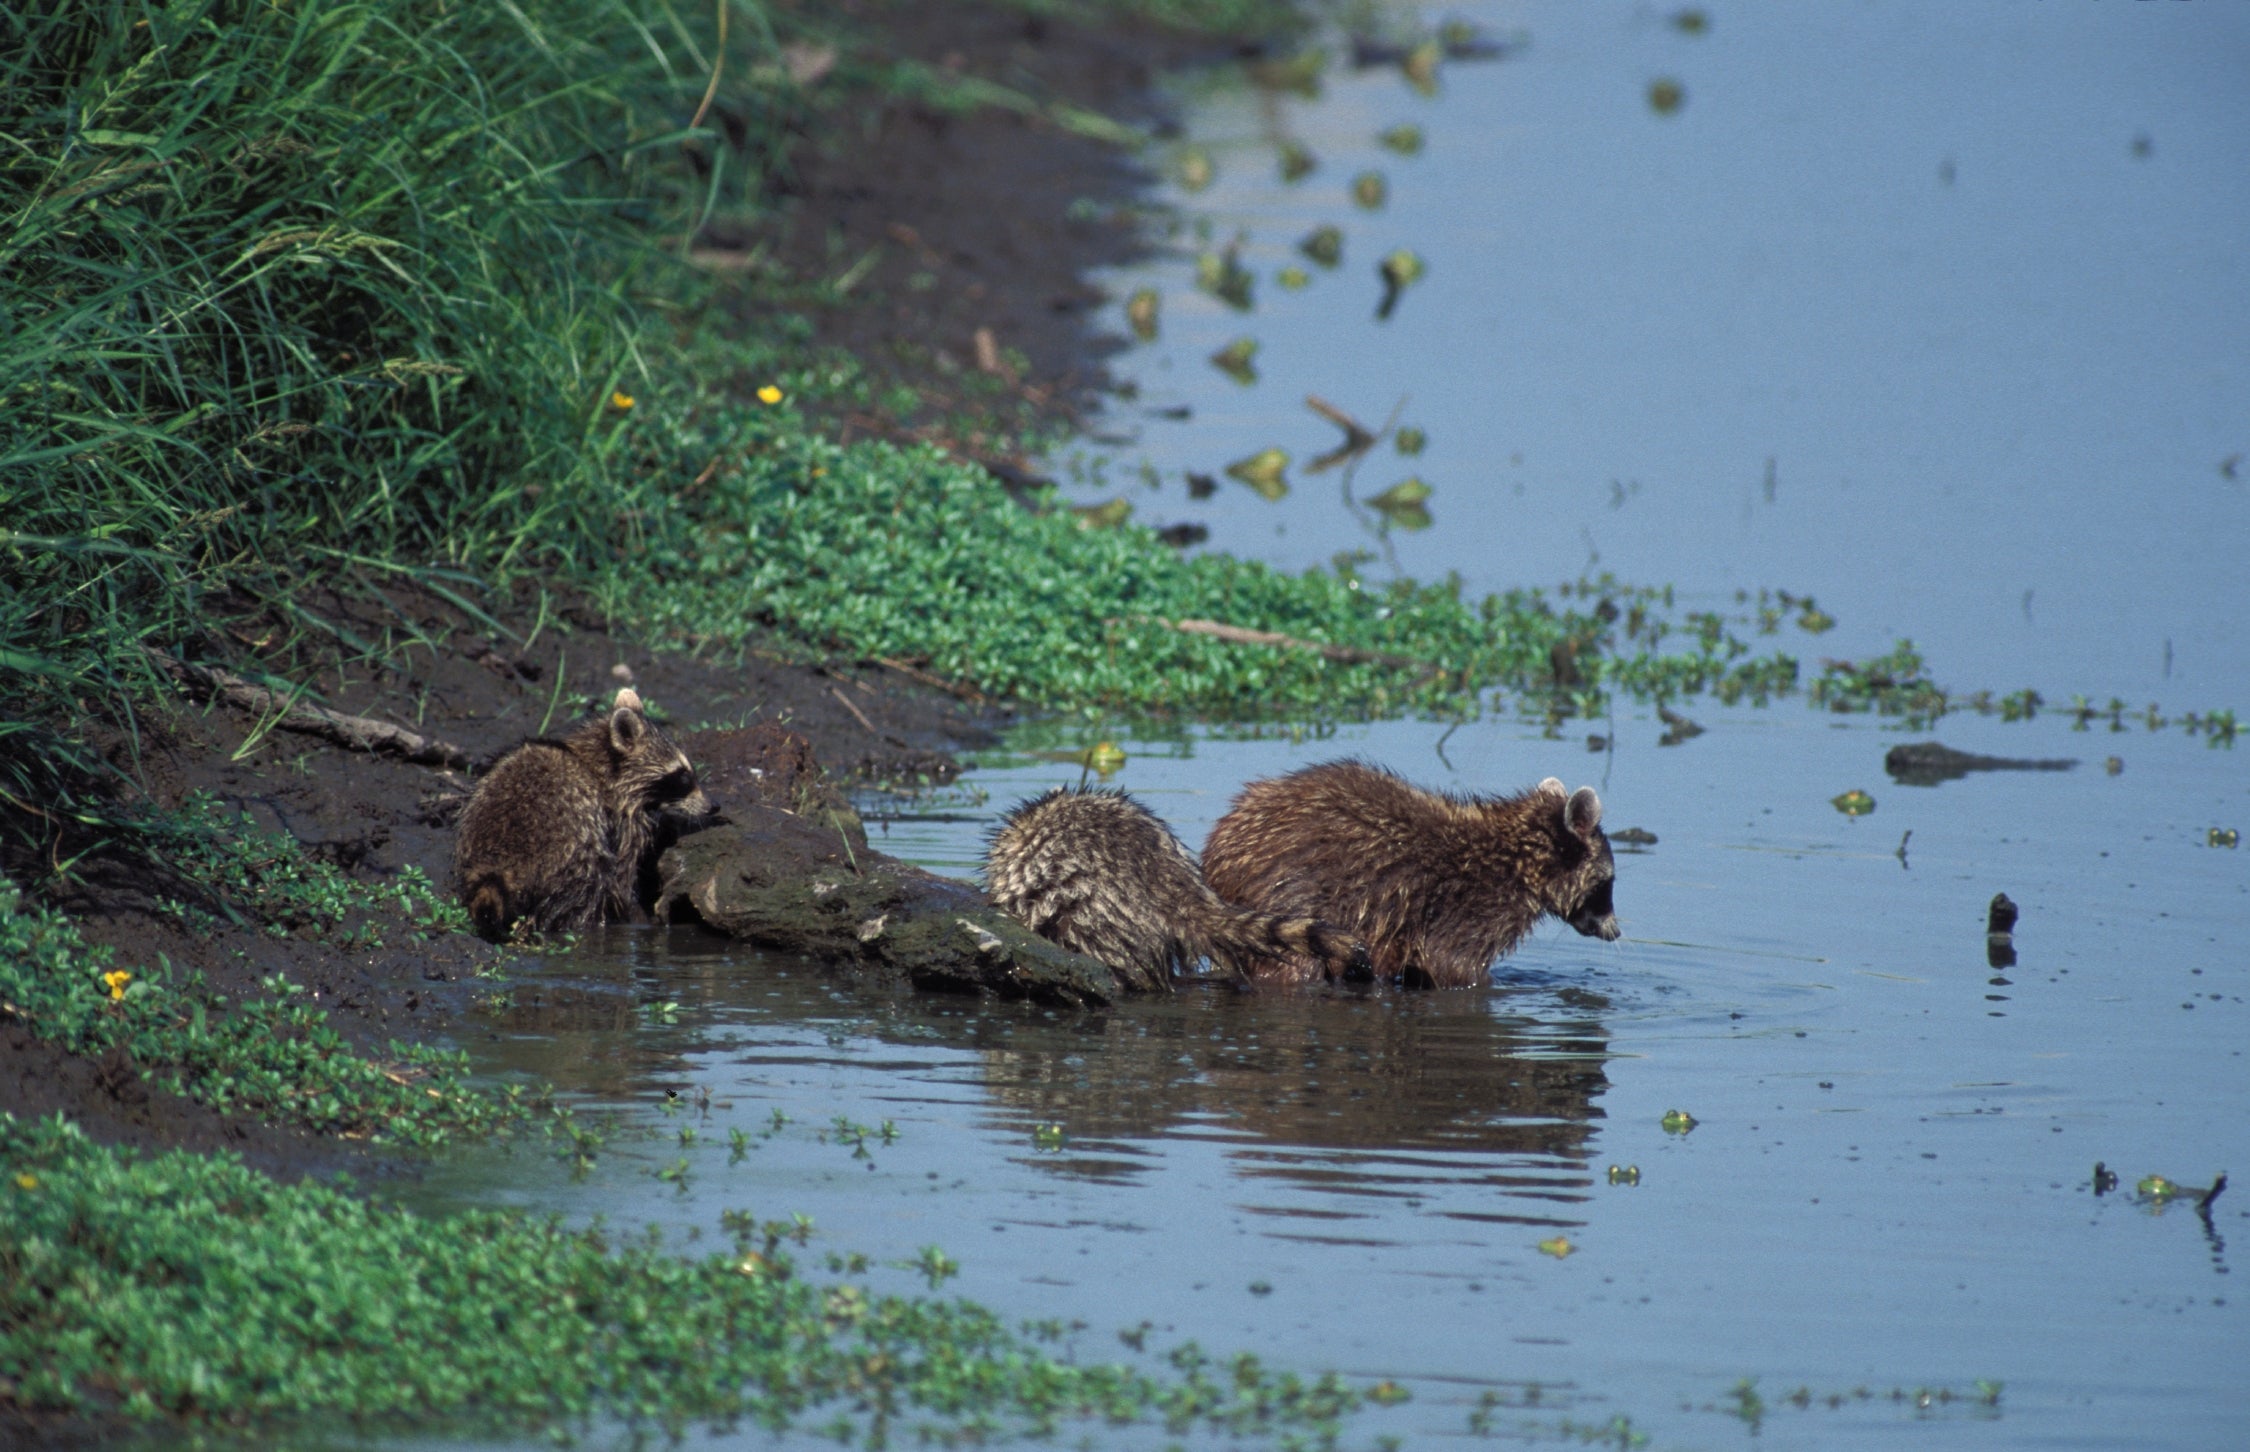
1677 728
2000 932
1299 73
1293 277
1558 1246
1264 471
1624 1174
1676 1121
1196 169
1628 836
1854 803
1420 66
1324 245
1666 96
1296 162
1691 22
1369 190
1926 763
1405 139
1108 514
1410 441
1201 486
1405 504
1399 270
1140 312
1223 276
1237 360
2114 765
1047 1137
1815 621
2223 837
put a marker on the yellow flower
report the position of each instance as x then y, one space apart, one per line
769 394
27 1181
117 980
621 400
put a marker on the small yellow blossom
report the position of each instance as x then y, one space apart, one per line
27 1181
769 394
621 401
117 980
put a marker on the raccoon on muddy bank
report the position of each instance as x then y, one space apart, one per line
1098 873
559 832
1437 885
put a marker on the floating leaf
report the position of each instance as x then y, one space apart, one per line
1293 277
1140 311
1296 161
1421 66
1196 169
1814 620
1324 245
2217 836
1399 269
1105 757
1263 471
1690 22
1108 514
1369 189
1404 504
2156 1187
1047 1136
1677 1121
1223 276
1410 441
1624 1174
1666 95
1406 139
1854 803
1237 359
1558 1246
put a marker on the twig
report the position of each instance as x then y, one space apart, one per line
857 714
1243 635
954 688
355 733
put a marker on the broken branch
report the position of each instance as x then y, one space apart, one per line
354 733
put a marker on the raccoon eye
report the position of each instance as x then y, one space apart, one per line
677 783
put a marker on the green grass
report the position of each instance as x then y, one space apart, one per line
190 1287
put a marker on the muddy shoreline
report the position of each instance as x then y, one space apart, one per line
970 224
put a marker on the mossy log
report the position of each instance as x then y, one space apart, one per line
780 881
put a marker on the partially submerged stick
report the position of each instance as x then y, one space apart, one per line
354 733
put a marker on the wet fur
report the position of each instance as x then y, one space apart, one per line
1438 886
1098 873
561 831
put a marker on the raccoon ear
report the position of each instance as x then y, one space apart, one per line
630 699
1551 787
626 727
1582 814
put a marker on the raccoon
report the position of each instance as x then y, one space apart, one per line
1438 886
561 830
1100 874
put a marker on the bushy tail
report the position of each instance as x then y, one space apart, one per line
1304 948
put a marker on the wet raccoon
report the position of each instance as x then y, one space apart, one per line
1438 886
560 830
1099 874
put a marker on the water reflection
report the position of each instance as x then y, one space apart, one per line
1399 1096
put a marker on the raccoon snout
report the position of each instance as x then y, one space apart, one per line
696 806
1603 927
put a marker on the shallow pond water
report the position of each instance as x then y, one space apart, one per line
1937 312
1889 1184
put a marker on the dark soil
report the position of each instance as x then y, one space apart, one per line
978 204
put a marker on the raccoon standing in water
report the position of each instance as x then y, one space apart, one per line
1099 874
1439 886
559 830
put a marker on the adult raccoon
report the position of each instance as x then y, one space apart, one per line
559 831
1100 874
1437 886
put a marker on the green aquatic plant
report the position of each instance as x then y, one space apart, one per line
194 1291
1323 244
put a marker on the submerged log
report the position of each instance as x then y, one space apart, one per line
782 881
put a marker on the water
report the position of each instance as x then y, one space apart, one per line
1888 1185
1893 310
1973 279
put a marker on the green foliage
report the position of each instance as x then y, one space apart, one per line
192 1287
274 1056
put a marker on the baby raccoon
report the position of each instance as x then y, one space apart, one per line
559 831
1099 874
1438 886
